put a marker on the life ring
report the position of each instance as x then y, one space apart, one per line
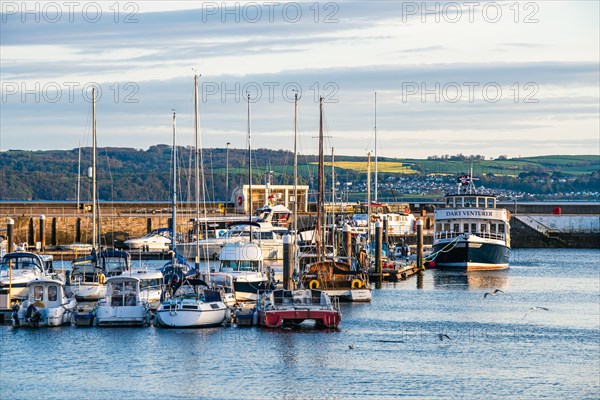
357 284
314 284
39 304
101 279
407 210
240 200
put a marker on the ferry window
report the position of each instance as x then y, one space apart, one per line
38 293
482 228
52 293
480 202
501 228
473 228
456 228
490 202
438 227
465 227
493 228
447 227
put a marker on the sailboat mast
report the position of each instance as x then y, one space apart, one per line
249 168
295 169
320 199
197 173
368 197
333 200
78 176
95 230
376 147
174 204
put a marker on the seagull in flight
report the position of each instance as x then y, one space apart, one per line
351 346
495 292
443 335
535 308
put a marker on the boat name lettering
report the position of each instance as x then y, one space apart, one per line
466 213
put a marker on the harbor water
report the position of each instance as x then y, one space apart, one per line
433 336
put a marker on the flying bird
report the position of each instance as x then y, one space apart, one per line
535 308
495 292
443 335
351 346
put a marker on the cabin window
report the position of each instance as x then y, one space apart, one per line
456 228
38 293
490 202
473 228
447 227
465 227
52 293
500 228
493 228
438 227
482 227
480 202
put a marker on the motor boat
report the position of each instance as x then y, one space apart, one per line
18 268
281 308
150 285
46 305
123 304
338 279
158 239
244 262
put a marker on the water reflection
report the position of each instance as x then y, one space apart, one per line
462 280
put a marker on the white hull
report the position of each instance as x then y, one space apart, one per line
53 316
211 251
350 295
87 291
123 315
203 317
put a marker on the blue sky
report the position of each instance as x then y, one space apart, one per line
490 78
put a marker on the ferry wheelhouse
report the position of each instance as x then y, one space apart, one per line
470 233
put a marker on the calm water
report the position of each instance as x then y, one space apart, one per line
494 351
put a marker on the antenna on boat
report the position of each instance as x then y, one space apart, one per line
320 199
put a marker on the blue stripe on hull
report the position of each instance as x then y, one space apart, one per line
466 256
251 287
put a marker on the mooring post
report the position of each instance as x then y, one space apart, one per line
347 241
78 230
420 264
385 230
10 233
378 255
31 233
53 232
288 262
42 236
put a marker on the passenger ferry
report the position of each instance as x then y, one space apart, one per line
470 233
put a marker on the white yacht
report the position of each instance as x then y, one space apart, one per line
123 304
158 239
269 237
150 285
18 268
46 305
87 278
245 263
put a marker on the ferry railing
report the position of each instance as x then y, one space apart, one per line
483 235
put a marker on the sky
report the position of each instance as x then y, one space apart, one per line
491 78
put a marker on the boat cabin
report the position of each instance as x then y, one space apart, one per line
49 292
239 256
26 261
123 291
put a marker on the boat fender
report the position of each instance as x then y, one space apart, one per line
357 284
101 279
314 284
